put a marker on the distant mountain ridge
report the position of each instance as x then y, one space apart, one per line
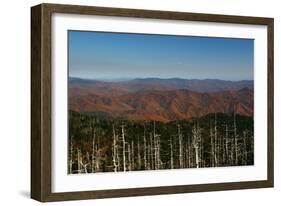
161 99
139 84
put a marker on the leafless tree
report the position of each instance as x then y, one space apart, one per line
151 153
79 161
215 142
196 138
70 155
93 164
235 139
115 153
139 155
226 144
124 148
133 155
97 157
244 149
145 151
171 154
180 147
129 157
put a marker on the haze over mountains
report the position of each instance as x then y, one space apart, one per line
160 99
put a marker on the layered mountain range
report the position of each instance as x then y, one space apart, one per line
160 99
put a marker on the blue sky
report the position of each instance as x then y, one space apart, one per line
102 55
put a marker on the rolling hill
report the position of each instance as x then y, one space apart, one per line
161 100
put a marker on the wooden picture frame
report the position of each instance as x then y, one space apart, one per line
41 171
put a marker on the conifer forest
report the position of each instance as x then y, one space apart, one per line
102 144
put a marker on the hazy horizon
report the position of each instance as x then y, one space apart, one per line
106 55
135 78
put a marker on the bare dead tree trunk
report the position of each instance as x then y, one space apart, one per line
93 134
144 151
85 167
149 166
154 147
70 156
118 159
215 142
196 156
156 139
196 140
124 148
129 158
93 152
155 153
158 159
235 139
226 144
88 158
115 164
81 167
189 156
151 153
171 154
133 155
139 155
232 154
212 146
97 160
202 153
186 156
189 153
245 148
180 147
78 161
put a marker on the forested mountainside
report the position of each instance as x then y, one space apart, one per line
147 99
101 144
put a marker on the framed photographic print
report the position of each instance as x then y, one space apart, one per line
130 102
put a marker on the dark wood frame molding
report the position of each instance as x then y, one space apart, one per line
41 101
